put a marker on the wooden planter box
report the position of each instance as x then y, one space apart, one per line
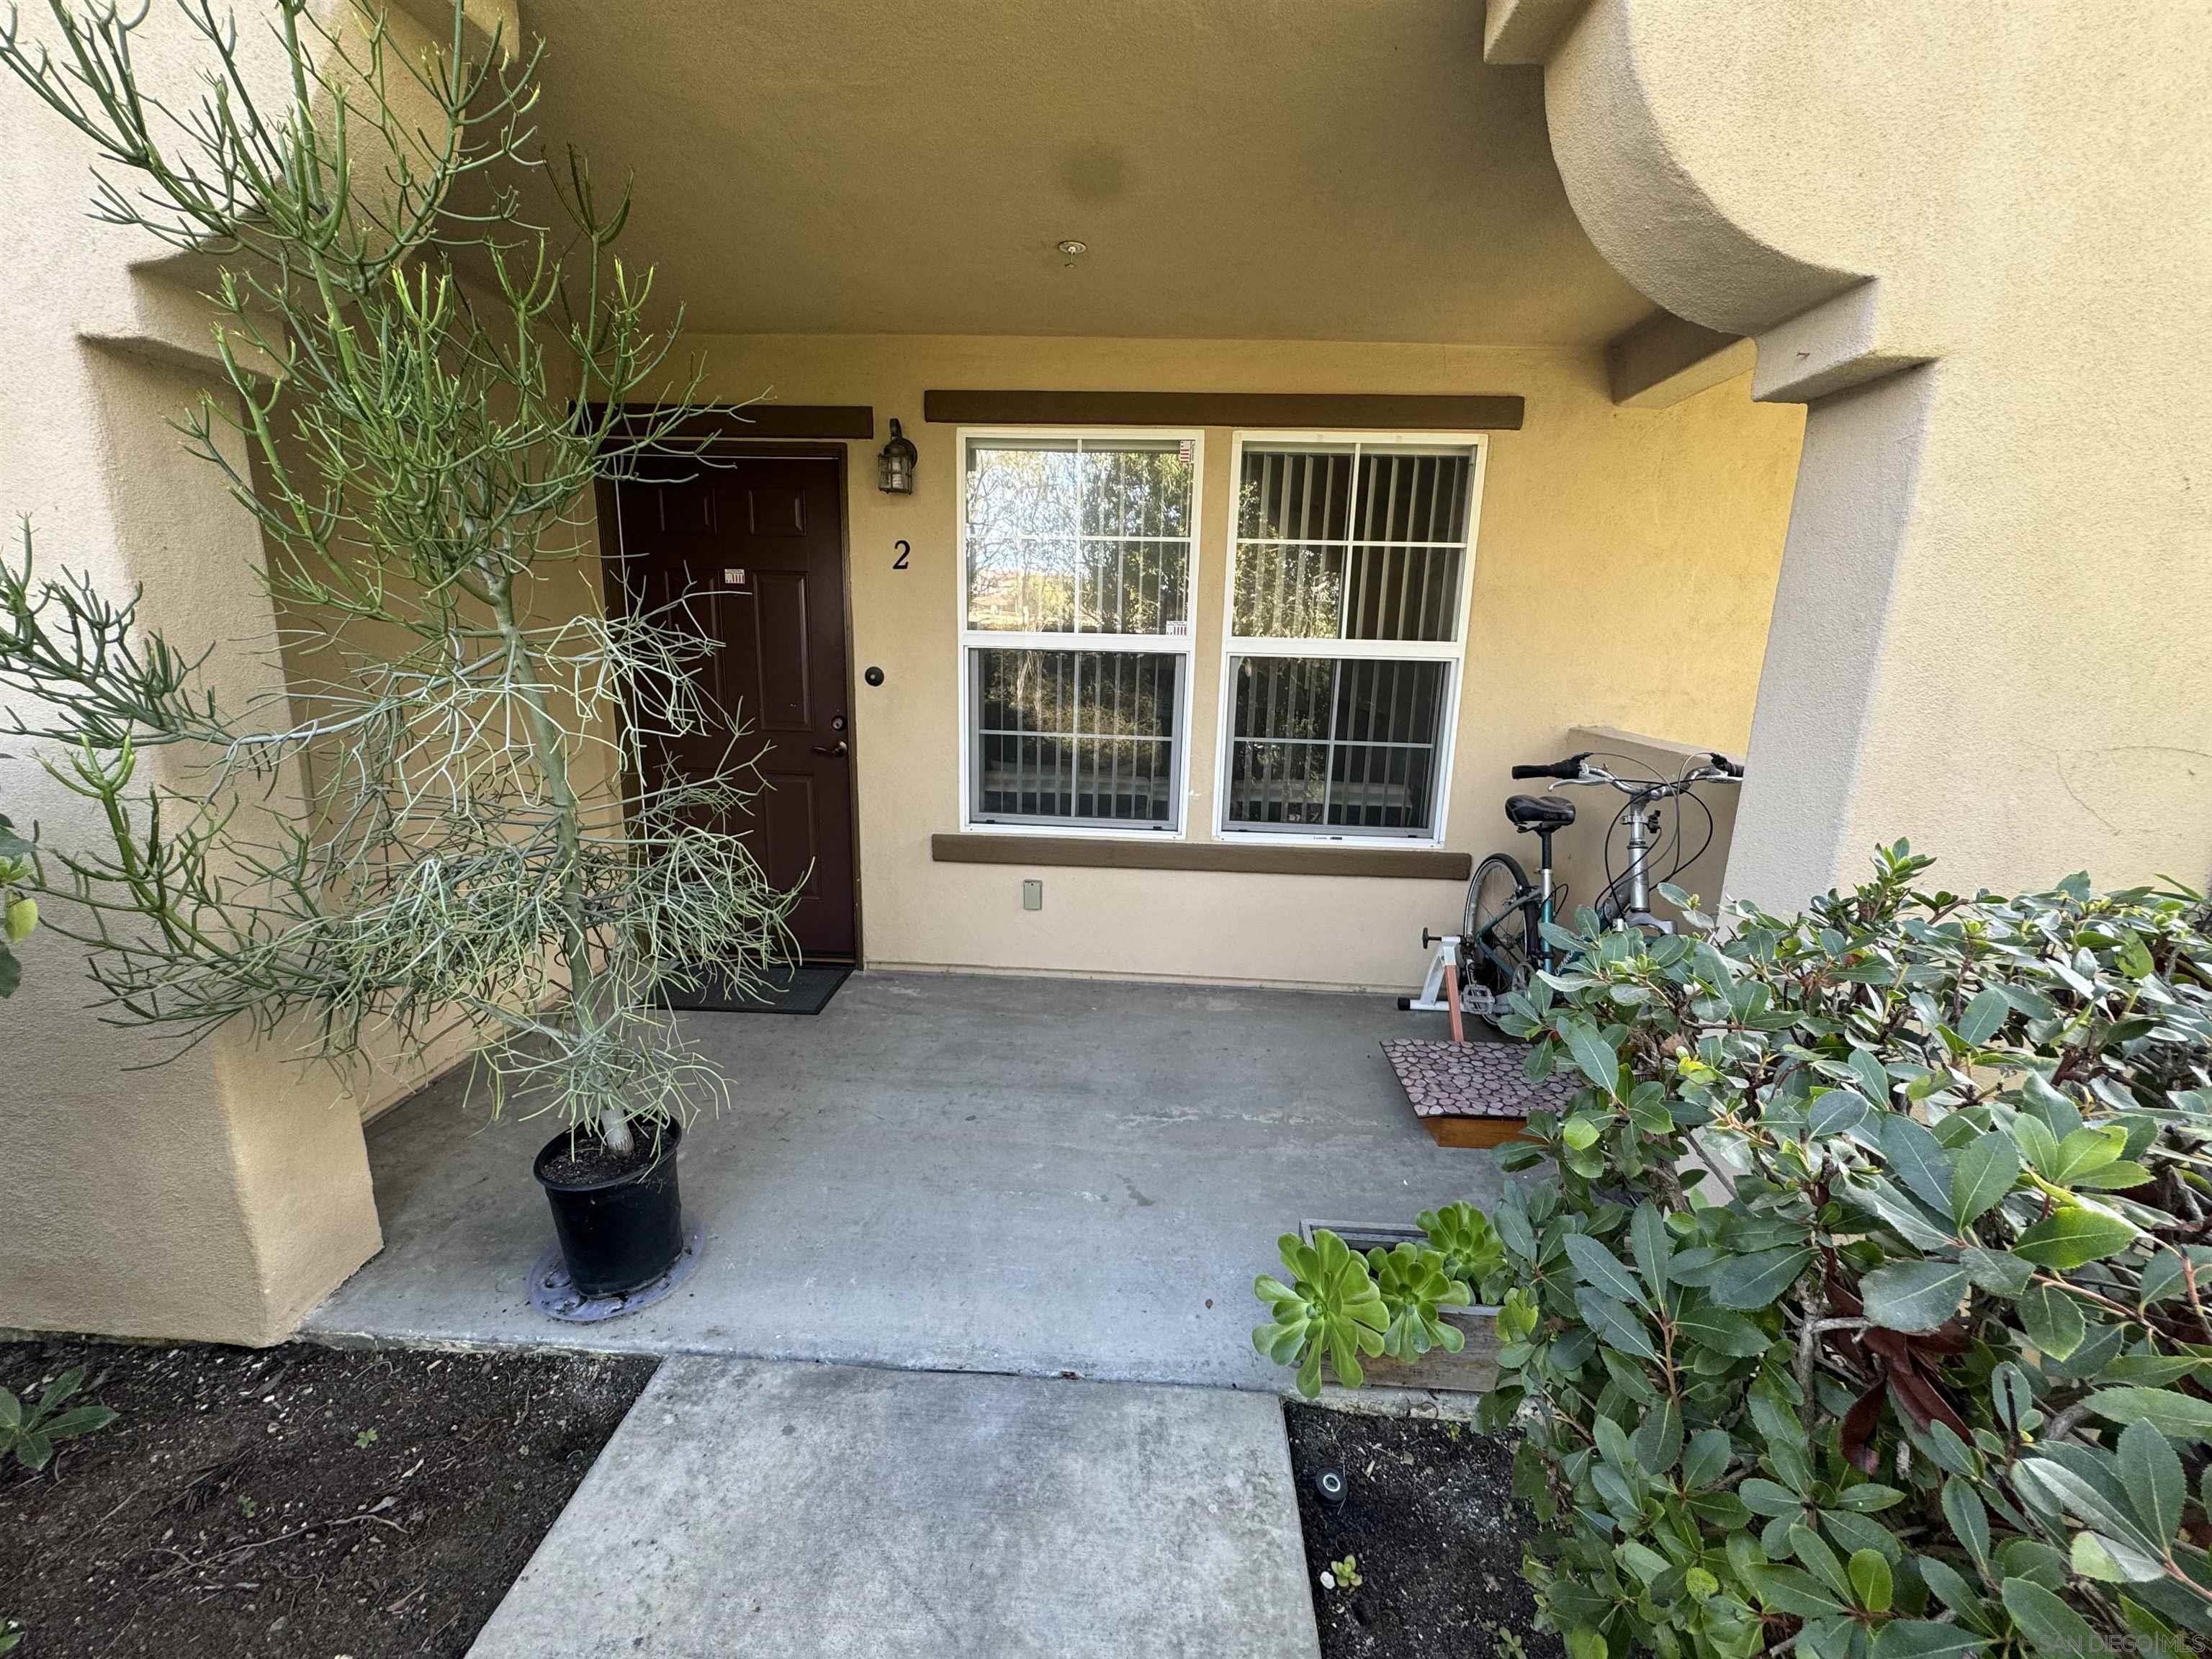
1452 1129
1473 1370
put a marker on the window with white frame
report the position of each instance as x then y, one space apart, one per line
1348 598
1075 628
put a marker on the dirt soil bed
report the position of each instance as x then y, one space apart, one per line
1428 1514
297 1500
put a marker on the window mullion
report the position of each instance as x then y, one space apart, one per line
1074 529
1361 650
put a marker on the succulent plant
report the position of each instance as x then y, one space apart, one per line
1330 1307
1470 1246
1415 1289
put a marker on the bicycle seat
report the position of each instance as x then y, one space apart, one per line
1539 811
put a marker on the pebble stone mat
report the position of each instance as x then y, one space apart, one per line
1473 1080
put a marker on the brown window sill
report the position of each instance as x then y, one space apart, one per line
1250 858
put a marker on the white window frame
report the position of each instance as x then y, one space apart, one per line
1452 652
1183 644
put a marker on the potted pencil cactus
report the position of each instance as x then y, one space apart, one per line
446 822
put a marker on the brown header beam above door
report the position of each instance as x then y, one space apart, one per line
746 421
1318 410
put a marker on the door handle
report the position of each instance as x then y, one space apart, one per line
834 750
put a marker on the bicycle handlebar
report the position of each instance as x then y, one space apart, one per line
1576 769
1566 770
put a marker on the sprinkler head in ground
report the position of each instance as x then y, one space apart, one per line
1329 1487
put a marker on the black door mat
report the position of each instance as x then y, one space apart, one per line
805 989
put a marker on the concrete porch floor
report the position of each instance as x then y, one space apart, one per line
952 1173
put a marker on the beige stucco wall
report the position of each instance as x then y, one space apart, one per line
1623 572
1977 241
222 1193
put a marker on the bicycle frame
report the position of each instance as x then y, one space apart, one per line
1536 901
1642 816
1540 946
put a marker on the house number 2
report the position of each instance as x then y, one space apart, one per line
905 551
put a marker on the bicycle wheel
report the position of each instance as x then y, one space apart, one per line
1497 933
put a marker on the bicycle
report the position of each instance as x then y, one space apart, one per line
1504 930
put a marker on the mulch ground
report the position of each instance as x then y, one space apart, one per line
1429 1516
297 1500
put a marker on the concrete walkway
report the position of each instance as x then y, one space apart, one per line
818 1512
954 1173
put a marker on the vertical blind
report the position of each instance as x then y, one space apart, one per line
1347 745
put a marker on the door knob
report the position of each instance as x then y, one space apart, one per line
840 747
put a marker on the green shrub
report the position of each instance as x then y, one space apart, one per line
1860 1307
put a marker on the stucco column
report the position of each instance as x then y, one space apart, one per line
218 1192
1975 241
223 1192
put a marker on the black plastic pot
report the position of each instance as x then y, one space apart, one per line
618 1232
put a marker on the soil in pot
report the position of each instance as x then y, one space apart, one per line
1430 1518
585 1161
297 1500
621 1221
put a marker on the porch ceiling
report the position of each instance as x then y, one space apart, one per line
1240 168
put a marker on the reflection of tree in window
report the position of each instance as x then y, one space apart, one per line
1123 694
1329 549
1078 538
1067 541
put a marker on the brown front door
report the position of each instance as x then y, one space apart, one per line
755 545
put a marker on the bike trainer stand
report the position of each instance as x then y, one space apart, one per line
1465 1094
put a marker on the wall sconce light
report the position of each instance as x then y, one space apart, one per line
894 467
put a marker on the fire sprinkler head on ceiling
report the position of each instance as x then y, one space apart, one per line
1071 250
